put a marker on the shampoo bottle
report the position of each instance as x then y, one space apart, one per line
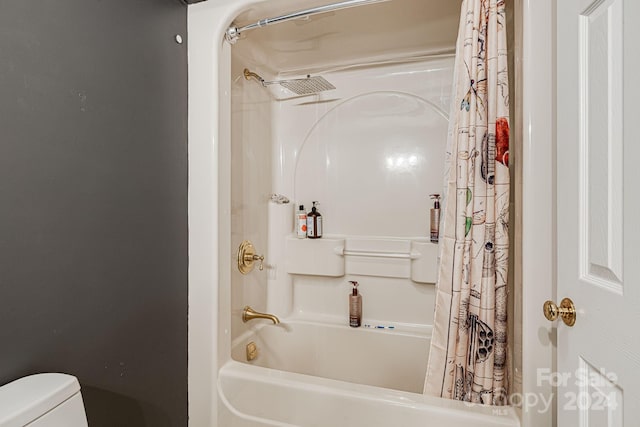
314 223
355 306
301 223
435 218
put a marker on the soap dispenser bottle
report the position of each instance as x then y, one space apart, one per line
355 306
435 218
314 223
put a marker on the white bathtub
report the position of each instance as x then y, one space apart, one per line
319 375
388 358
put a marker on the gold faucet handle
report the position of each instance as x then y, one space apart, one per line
261 259
247 256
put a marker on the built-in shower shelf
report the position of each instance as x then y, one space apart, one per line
316 257
335 256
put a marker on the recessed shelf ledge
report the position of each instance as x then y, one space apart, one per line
335 256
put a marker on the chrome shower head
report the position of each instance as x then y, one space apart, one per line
308 85
304 86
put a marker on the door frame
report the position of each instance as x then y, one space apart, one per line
535 85
209 60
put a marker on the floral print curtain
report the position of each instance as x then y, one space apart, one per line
468 356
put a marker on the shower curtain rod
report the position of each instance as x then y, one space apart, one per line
233 33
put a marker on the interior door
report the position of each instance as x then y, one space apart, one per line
598 211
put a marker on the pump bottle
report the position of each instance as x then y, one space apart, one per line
435 218
355 306
314 223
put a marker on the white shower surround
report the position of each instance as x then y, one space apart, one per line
372 176
210 330
371 151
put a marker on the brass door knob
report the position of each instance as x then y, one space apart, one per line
566 310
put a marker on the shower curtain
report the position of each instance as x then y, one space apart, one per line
468 356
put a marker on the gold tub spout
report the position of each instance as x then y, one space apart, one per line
249 313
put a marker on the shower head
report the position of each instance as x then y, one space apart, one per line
304 86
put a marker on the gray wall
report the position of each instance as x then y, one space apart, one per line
93 202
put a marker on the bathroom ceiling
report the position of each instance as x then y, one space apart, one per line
358 35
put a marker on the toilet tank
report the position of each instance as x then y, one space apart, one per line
42 400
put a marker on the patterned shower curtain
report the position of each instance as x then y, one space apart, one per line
468 356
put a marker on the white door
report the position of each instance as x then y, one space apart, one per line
598 211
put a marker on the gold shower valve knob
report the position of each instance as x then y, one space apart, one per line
247 256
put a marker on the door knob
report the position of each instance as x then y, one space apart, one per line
566 310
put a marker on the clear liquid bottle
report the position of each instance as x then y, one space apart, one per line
301 223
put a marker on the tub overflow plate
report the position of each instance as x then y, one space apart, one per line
252 351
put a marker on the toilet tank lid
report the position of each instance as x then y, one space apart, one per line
27 398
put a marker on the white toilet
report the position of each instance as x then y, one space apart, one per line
42 400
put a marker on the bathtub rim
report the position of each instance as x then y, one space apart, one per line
412 330
383 396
